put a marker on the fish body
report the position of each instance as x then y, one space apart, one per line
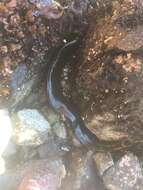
83 134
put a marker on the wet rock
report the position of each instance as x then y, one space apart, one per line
22 92
51 116
103 162
81 173
52 148
50 9
43 174
30 127
19 76
25 82
125 175
10 150
132 41
10 180
6 130
5 136
60 130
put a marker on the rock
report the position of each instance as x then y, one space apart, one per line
132 41
103 162
10 181
10 149
110 92
18 76
5 129
30 127
22 92
26 86
125 175
50 9
50 149
5 136
51 116
81 173
60 130
43 175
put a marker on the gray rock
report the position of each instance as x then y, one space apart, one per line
5 129
9 181
125 175
43 174
30 127
103 161
82 175
22 92
23 82
18 76
60 130
10 149
50 149
5 135
51 116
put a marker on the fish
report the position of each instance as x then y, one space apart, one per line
60 104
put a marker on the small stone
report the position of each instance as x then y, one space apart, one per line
103 161
60 131
30 127
51 116
126 174
5 129
82 174
9 150
18 76
43 175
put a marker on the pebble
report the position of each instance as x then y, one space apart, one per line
126 174
43 175
103 161
18 76
30 127
60 130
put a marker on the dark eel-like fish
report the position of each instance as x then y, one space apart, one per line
58 102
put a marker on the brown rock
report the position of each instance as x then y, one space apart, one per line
43 175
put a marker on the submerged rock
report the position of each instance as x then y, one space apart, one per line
125 175
81 174
30 127
103 162
5 136
19 76
60 130
50 9
43 175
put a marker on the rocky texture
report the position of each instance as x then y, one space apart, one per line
125 175
5 136
51 116
60 130
43 175
10 180
81 174
109 79
30 29
19 176
30 128
103 162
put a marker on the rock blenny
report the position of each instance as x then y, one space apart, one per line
59 103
